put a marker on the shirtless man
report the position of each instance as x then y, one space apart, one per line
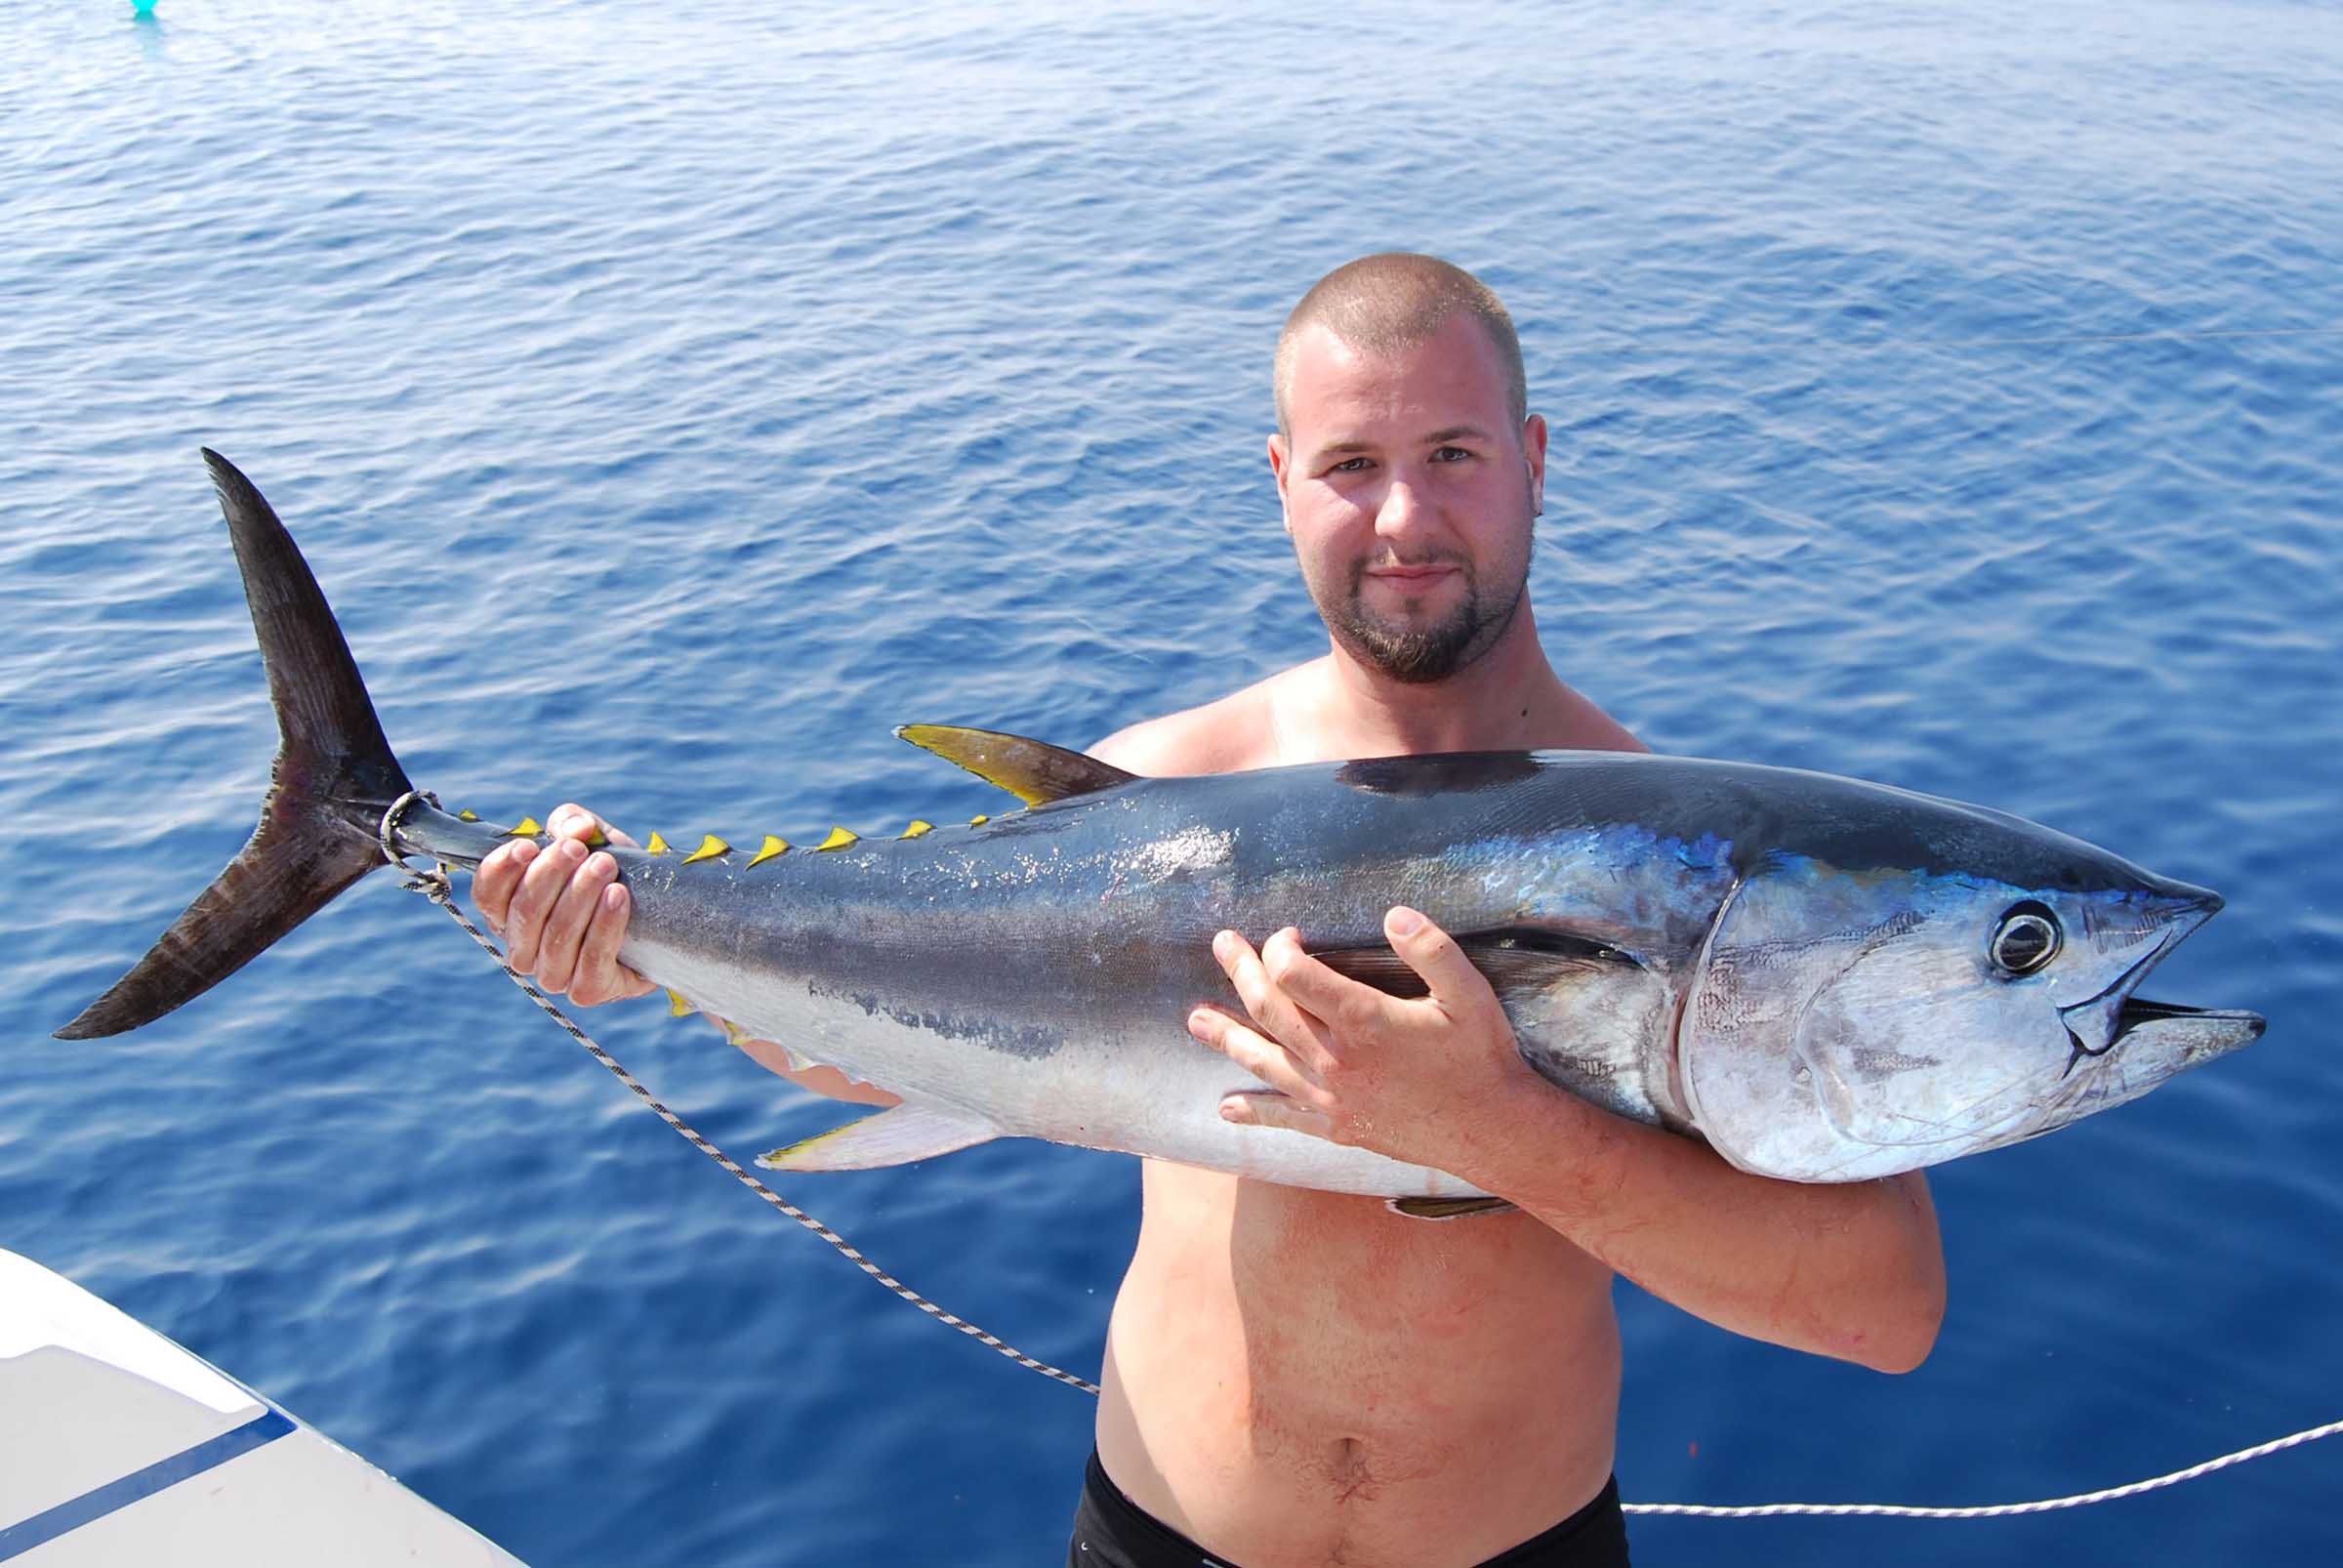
1297 1379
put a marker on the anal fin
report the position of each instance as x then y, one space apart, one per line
1447 1208
897 1135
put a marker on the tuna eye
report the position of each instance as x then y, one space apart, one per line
2027 938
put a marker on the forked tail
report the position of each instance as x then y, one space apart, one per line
334 778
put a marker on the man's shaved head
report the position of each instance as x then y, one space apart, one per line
1383 304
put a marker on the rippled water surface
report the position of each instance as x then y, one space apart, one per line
672 398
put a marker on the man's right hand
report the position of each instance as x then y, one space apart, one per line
561 910
561 913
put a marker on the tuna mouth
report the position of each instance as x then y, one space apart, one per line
2100 1022
2139 1015
2159 1038
2163 1038
2138 1010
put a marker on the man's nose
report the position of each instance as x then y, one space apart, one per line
1403 507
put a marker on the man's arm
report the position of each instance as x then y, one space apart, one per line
1855 1272
1851 1270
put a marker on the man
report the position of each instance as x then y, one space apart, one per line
1294 1378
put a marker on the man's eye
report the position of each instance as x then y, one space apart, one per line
1350 465
1449 454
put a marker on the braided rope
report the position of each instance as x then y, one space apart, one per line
1995 1510
1788 342
434 885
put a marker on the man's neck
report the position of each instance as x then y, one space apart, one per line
1507 699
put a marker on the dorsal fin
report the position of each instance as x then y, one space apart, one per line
1033 770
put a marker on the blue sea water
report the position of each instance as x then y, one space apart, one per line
673 398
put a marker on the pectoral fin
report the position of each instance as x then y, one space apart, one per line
1517 961
1447 1208
895 1136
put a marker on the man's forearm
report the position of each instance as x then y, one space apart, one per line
1852 1270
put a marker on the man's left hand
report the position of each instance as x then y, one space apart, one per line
1415 1079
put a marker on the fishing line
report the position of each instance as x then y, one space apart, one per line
1770 344
433 883
1989 1510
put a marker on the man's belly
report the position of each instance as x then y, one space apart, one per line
1297 1377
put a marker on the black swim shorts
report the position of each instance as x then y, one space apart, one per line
1110 1531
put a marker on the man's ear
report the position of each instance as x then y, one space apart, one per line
1532 447
1279 456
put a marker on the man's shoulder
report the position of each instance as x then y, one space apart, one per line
1575 723
1222 736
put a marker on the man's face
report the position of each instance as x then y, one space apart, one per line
1410 491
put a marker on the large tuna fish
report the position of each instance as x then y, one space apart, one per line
1825 979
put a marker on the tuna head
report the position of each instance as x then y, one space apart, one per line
1854 1023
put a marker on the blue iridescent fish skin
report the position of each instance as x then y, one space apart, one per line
1797 968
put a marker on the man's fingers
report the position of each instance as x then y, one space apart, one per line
579 904
499 878
541 889
1251 1050
570 820
1275 1110
559 908
1265 998
1434 955
1337 999
599 976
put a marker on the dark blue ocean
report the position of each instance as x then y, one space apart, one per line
672 398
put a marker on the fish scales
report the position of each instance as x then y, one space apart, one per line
1072 939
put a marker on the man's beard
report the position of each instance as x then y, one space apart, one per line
1415 655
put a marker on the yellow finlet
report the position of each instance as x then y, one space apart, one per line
978 820
919 825
467 817
657 845
529 827
597 838
838 839
677 1007
772 847
710 848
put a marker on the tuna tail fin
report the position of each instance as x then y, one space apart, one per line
334 777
